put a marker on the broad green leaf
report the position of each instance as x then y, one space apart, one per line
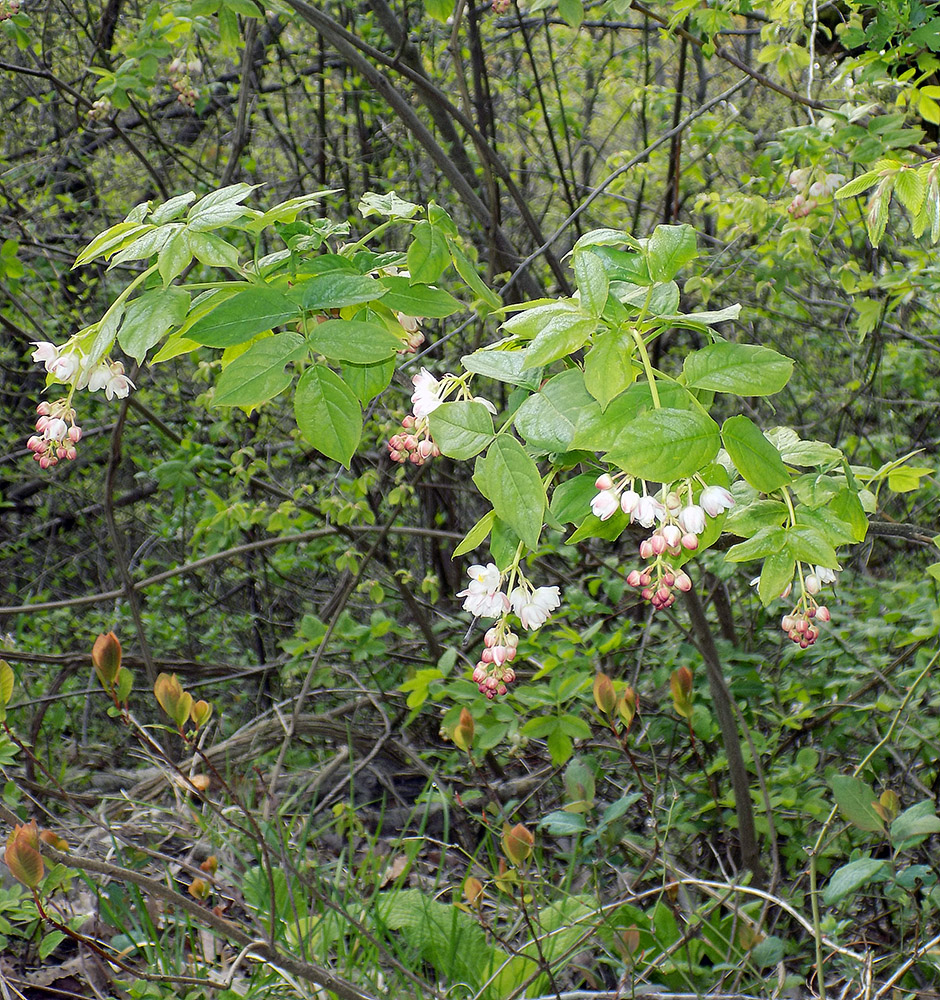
547 419
259 374
765 542
510 480
461 429
335 289
608 365
212 250
747 519
571 11
219 208
367 381
859 184
666 444
593 527
428 254
913 825
591 276
571 500
856 802
353 340
149 317
440 10
504 543
810 546
855 875
847 507
776 576
563 824
669 249
174 257
388 205
250 311
548 317
146 245
824 520
623 265
744 369
753 455
175 345
705 319
476 535
172 209
418 300
559 339
600 430
247 8
661 303
287 211
504 366
328 413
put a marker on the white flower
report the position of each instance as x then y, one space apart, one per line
716 499
111 378
629 500
426 397
66 366
692 519
56 429
604 504
46 353
484 599
825 575
409 324
534 608
648 510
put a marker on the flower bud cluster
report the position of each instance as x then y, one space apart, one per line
414 337
10 7
56 434
501 6
181 71
809 194
414 444
100 110
801 624
493 673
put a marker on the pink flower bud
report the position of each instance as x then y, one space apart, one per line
408 422
822 613
787 623
75 433
658 544
633 578
604 482
36 444
690 542
812 584
479 674
683 582
490 638
646 549
669 579
395 456
671 534
425 448
509 675
43 409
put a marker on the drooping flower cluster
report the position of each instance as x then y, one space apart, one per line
8 8
678 526
56 430
800 624
181 71
485 598
56 434
809 194
414 442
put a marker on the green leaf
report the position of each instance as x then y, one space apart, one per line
440 10
608 366
666 444
766 542
465 267
259 374
563 824
510 480
146 245
913 825
556 330
504 366
600 430
572 11
547 419
744 369
335 289
591 275
328 413
856 802
388 205
219 208
353 340
669 249
776 576
753 455
571 500
859 184
461 429
244 7
418 300
367 381
253 310
855 875
212 250
848 508
476 535
111 240
810 546
49 943
747 519
6 683
428 254
149 317
174 257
